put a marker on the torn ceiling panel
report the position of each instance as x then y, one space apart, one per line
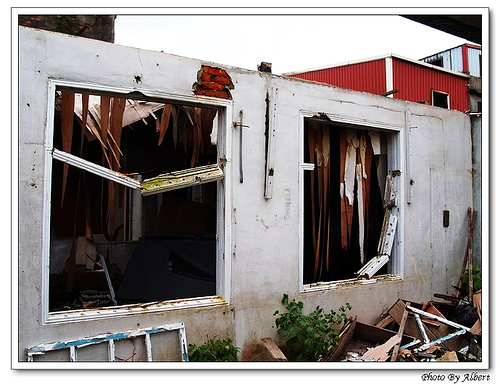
134 111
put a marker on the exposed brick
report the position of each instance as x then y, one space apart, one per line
200 91
219 94
213 82
214 71
222 80
214 86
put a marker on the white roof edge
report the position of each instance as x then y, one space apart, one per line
421 63
469 45
342 64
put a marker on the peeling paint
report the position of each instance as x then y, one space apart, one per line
181 179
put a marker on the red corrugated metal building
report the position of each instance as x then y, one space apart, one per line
397 77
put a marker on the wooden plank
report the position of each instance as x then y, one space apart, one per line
273 349
449 356
471 219
385 321
371 333
345 337
162 124
476 301
469 256
411 327
361 331
395 351
429 307
67 116
380 353
476 328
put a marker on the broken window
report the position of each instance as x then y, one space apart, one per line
134 198
349 216
440 99
438 62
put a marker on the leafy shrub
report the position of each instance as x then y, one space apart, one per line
309 337
476 276
214 349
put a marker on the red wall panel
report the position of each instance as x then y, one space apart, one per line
415 83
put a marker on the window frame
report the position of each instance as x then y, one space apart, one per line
442 94
223 236
397 152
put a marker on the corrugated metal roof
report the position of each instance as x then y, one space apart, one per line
366 76
382 57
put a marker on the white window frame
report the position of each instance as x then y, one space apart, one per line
396 153
434 91
223 237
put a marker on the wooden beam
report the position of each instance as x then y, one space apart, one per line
273 349
395 351
471 219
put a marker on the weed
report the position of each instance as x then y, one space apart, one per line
214 349
309 337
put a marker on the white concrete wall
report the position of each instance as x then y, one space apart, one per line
265 238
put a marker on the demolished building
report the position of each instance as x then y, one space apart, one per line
157 190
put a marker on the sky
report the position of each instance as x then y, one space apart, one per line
290 42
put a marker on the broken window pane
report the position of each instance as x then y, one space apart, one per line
343 205
158 242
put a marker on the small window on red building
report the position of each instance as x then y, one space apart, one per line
440 99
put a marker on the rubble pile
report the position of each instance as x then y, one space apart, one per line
435 331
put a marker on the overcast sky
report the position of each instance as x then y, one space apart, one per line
289 42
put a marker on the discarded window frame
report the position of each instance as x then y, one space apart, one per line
112 341
135 185
348 227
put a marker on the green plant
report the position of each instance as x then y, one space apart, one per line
476 276
309 336
214 349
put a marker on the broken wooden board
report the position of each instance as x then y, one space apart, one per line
381 352
345 337
449 356
273 349
401 330
385 321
